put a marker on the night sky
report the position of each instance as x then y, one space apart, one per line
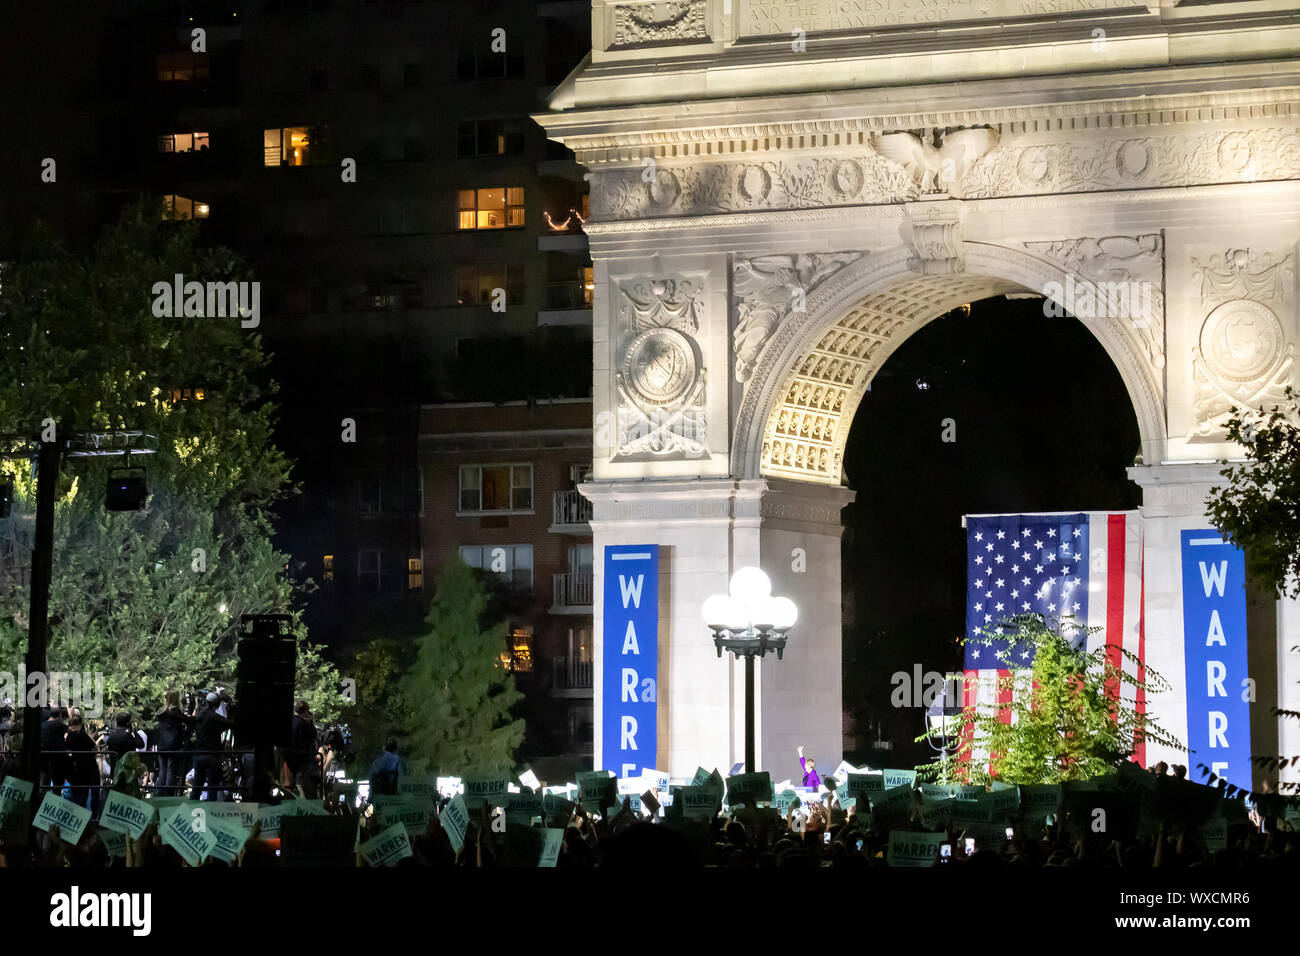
1043 423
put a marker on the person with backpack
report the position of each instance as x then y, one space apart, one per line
387 770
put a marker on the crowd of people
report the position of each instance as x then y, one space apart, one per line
187 750
820 833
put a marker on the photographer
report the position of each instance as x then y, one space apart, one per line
303 751
209 725
173 727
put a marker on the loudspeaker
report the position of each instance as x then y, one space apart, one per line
265 682
128 489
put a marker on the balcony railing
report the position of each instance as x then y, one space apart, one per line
572 589
569 508
570 674
568 295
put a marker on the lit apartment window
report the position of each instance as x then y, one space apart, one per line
512 563
182 207
369 568
494 137
588 287
414 574
496 488
182 142
520 656
475 282
175 395
183 67
328 563
290 146
497 207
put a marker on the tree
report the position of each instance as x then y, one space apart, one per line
1069 717
458 693
1259 507
149 599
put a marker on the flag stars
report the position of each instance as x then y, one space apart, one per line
978 559
1000 582
998 558
1015 569
1038 545
1038 569
998 606
1015 593
1077 532
979 535
989 546
1051 532
1051 607
1001 535
1025 605
1076 605
1025 581
1025 532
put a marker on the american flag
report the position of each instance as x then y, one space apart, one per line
1084 566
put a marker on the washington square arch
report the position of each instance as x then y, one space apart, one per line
783 192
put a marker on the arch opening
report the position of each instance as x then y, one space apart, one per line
810 380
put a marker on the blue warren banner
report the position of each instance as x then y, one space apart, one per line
631 659
1214 647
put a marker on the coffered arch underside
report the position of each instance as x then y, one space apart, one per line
797 409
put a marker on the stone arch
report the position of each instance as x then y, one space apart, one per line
861 315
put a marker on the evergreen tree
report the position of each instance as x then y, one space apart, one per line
1073 715
1259 506
150 599
458 693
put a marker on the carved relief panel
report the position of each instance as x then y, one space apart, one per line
659 369
1241 356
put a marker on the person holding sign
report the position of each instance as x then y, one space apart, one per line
809 768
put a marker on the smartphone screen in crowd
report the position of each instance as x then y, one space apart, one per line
945 851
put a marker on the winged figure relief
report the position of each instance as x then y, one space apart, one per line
937 161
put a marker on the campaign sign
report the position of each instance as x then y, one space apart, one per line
412 813
245 813
630 672
230 838
552 840
455 820
750 789
387 848
418 787
268 819
114 842
489 788
1214 648
865 784
909 848
522 807
183 834
896 778
64 814
126 814
15 798
597 791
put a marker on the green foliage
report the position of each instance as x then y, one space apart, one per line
151 599
377 668
458 693
1073 715
1259 507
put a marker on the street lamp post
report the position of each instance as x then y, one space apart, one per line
48 456
749 622
942 719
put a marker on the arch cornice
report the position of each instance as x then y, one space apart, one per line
880 272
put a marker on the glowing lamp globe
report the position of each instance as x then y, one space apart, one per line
750 586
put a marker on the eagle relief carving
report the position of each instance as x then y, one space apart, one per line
937 160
